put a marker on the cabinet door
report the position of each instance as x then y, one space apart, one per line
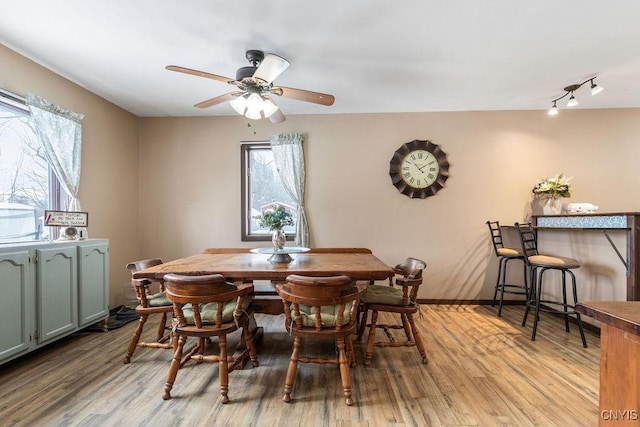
93 283
16 303
57 291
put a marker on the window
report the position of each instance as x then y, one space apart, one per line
28 186
261 189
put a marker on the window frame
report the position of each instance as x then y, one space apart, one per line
57 196
245 150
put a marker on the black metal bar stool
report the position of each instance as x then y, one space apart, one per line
538 265
505 255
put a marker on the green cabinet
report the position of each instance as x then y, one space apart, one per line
93 283
50 290
17 303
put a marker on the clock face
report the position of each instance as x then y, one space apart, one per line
419 168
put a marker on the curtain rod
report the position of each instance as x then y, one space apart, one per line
13 99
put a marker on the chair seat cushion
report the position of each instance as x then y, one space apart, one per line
382 294
328 315
509 253
209 311
553 261
158 300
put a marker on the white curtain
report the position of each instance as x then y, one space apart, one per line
289 158
60 133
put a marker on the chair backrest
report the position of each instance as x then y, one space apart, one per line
496 236
200 290
141 286
411 268
340 250
142 264
411 271
528 240
319 292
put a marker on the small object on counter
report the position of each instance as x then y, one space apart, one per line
581 208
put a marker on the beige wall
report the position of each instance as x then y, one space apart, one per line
170 187
109 181
191 186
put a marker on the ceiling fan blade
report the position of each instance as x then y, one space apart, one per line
217 100
304 95
198 73
270 68
277 117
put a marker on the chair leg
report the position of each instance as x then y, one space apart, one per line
406 327
495 291
371 341
344 371
162 327
502 279
564 300
531 296
135 338
351 353
292 370
173 368
223 364
363 323
248 339
536 315
575 301
417 338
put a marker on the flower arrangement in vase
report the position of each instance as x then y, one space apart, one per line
552 189
275 219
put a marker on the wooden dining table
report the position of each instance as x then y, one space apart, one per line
242 265
247 266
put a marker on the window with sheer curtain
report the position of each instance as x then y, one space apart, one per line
28 185
261 189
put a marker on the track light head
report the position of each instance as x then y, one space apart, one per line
595 89
572 101
553 111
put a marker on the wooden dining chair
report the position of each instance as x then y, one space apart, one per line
400 300
321 308
149 303
204 307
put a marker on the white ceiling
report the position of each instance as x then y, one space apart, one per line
372 55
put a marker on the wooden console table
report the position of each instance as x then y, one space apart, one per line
605 222
619 360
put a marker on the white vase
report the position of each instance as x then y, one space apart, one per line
553 206
278 238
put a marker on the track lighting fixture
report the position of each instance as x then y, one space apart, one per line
569 90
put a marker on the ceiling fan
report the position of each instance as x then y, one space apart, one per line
255 84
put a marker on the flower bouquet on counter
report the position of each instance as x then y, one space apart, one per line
554 187
276 218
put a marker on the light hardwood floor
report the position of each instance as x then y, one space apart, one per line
483 371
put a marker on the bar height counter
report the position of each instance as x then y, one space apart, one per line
619 360
604 222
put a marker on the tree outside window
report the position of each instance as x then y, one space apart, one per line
27 184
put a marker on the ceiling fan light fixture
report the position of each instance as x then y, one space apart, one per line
254 85
254 106
268 107
239 104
